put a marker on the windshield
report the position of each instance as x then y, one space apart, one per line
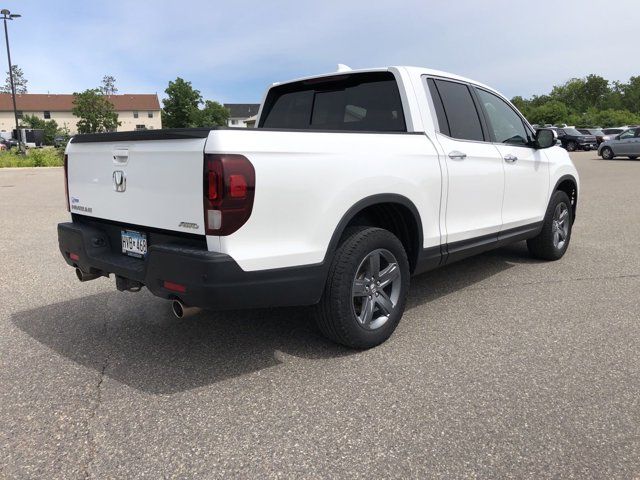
571 131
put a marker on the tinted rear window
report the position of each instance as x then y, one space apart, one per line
460 111
356 102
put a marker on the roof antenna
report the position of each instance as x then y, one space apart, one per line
344 68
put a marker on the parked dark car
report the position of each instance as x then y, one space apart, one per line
9 143
596 132
612 132
572 139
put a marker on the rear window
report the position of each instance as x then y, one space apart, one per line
354 102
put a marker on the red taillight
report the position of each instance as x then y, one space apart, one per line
229 185
74 256
66 180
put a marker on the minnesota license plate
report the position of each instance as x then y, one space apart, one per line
134 243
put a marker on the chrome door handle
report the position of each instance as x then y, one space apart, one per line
457 154
510 158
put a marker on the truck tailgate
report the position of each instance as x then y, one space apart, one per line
153 183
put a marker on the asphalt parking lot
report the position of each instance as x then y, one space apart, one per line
502 366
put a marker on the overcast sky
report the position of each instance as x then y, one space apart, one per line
231 51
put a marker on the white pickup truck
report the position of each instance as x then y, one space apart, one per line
352 182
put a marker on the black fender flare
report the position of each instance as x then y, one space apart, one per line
367 202
575 184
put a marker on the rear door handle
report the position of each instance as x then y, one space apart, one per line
510 158
457 154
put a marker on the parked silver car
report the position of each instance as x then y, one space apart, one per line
625 144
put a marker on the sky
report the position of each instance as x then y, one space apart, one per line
231 51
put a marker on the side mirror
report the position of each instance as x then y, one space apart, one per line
545 138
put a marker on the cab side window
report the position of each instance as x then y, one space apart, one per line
455 110
504 122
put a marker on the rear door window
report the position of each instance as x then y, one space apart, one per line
460 116
354 102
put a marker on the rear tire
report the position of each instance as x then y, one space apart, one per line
633 157
572 146
553 240
366 289
607 153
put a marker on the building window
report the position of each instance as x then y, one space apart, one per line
234 122
135 114
150 114
141 127
19 114
47 115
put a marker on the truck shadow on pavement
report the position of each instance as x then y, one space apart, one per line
134 339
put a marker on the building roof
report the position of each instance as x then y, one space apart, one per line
242 110
36 102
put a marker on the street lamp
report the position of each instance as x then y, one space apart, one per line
7 15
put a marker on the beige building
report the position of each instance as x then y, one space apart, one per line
135 111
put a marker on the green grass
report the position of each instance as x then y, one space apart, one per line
35 157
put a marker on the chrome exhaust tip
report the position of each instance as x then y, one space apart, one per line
180 310
85 276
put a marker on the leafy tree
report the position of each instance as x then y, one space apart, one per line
108 86
19 82
586 102
180 108
595 92
630 94
615 118
213 114
551 112
50 127
95 111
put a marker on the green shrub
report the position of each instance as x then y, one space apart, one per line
35 157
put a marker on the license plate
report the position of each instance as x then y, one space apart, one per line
134 243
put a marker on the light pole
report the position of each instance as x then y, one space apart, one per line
7 15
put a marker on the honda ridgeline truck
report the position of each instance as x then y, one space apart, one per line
351 183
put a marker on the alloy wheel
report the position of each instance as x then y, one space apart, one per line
560 226
376 289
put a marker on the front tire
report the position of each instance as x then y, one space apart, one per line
366 289
633 157
607 153
553 240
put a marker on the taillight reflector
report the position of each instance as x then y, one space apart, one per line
175 287
74 256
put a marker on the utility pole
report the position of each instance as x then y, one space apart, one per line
7 15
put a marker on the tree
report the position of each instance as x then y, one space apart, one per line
19 82
180 108
95 111
108 86
630 94
50 127
551 112
213 114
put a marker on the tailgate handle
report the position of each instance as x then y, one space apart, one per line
120 156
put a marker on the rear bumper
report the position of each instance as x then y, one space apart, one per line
211 280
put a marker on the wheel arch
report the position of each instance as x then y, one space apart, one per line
569 185
407 225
